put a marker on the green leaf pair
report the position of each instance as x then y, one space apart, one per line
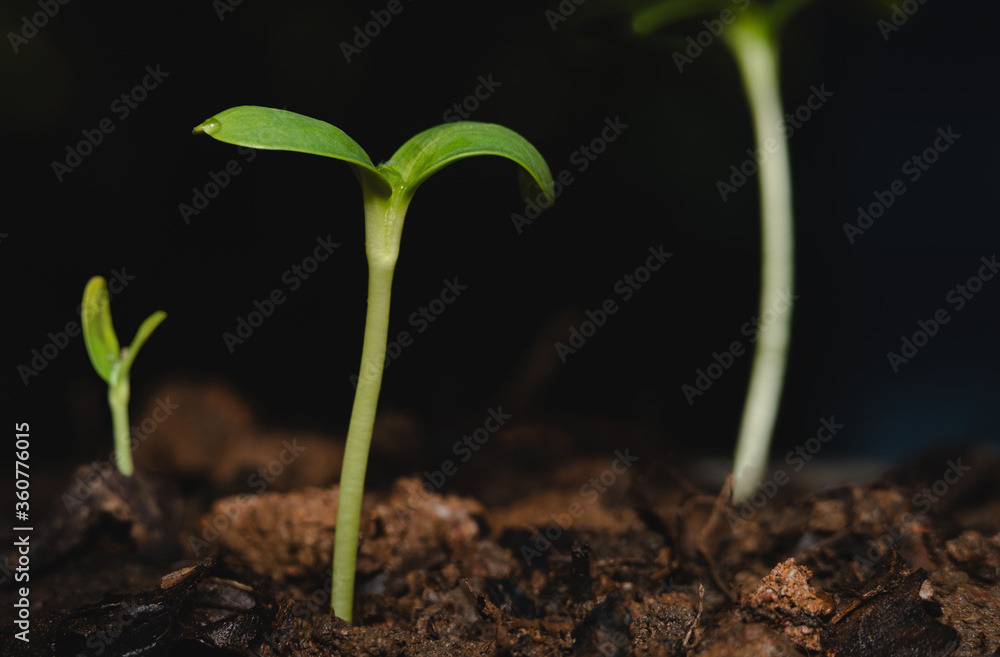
415 161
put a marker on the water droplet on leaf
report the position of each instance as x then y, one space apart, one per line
209 127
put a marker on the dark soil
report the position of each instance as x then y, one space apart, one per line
212 549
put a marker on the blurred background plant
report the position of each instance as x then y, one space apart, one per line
752 31
753 35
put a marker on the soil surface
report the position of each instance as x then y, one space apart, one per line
221 544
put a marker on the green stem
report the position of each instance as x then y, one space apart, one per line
383 228
118 396
753 41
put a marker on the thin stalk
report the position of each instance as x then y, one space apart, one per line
383 228
118 395
753 41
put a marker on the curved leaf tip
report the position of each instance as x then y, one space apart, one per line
435 148
145 330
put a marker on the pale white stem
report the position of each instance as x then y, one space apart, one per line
755 49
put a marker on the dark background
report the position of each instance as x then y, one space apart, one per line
654 185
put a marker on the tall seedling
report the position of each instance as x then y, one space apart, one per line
386 191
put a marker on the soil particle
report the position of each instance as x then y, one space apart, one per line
288 536
211 434
884 516
142 507
581 586
191 606
661 626
568 507
736 639
280 535
322 635
970 607
829 516
888 616
604 630
786 601
976 554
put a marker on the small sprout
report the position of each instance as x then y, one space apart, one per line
112 363
387 190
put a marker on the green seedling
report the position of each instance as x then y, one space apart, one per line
753 36
112 363
386 191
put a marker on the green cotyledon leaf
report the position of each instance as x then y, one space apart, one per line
98 331
145 330
281 130
437 147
